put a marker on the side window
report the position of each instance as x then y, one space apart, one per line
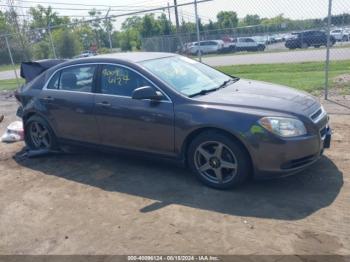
117 80
78 78
53 84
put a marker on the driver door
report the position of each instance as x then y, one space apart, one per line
129 123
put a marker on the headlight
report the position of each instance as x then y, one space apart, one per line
285 127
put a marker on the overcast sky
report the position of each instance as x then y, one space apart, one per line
296 9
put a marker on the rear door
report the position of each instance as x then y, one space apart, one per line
129 123
250 43
69 101
204 47
320 38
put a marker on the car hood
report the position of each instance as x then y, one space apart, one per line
261 95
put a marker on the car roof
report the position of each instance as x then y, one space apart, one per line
127 57
133 57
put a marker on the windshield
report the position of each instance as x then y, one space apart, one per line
185 75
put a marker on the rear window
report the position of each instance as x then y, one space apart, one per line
76 78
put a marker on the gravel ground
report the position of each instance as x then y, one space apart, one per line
97 203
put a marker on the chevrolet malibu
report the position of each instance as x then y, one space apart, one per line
224 128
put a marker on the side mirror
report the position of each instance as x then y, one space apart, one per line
147 92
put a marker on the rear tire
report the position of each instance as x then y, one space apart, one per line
39 134
218 160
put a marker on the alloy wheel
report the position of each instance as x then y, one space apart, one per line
39 135
215 162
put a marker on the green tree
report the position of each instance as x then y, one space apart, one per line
210 26
133 22
42 17
164 25
251 20
3 23
275 21
150 26
86 35
42 50
227 19
66 43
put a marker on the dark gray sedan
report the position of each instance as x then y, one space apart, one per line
224 128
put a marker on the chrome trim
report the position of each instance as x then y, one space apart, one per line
113 64
322 115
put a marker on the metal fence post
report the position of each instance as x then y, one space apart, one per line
11 58
197 27
51 41
329 23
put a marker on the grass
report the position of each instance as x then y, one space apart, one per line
7 67
304 76
10 84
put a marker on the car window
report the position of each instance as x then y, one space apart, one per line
249 40
53 84
78 78
117 80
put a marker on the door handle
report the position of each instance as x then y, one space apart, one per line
104 104
48 98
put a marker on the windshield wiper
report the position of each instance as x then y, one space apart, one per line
225 83
206 91
203 92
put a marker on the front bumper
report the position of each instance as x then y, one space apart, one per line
290 156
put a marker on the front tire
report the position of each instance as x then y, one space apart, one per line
38 134
218 160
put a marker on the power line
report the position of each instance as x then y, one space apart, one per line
70 8
115 16
75 4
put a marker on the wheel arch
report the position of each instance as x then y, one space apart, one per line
29 114
189 138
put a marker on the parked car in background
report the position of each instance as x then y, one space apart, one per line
86 53
229 44
289 36
224 128
309 38
248 44
186 47
341 34
264 40
207 47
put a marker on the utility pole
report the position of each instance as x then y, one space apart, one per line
177 24
329 24
51 40
169 17
108 25
176 16
198 35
